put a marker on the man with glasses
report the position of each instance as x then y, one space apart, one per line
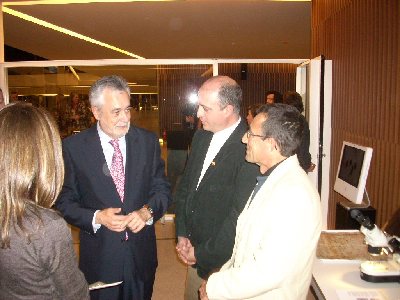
278 230
215 185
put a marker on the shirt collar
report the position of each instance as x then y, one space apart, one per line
227 131
270 170
104 137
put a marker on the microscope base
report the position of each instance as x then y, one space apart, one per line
380 271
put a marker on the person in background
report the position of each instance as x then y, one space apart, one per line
273 97
14 97
215 185
77 114
252 112
57 111
262 265
303 152
2 103
37 259
178 147
190 124
114 190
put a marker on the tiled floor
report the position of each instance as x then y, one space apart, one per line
171 273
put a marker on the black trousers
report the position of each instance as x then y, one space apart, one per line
133 288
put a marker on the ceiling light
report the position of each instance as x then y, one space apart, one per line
73 72
51 2
66 31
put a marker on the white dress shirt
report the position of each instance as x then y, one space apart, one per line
108 151
218 140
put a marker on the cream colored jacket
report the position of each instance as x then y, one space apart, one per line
276 238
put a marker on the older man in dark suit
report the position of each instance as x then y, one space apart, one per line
114 189
215 185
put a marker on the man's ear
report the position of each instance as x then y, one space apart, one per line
96 112
229 108
274 144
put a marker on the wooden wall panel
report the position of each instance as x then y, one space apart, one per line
177 82
361 37
261 78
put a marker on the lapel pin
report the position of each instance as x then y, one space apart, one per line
213 163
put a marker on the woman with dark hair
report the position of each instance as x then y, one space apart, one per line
77 114
303 152
252 112
273 97
294 99
37 260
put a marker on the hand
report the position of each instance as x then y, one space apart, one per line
203 291
183 242
190 258
185 251
109 217
183 248
137 219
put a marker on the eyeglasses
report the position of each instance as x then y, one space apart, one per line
249 134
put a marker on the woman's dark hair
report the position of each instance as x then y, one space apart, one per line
293 99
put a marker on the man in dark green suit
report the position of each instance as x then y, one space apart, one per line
215 185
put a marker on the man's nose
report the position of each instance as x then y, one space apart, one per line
244 138
200 112
125 116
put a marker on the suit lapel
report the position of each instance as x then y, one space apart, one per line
94 153
132 159
233 138
201 149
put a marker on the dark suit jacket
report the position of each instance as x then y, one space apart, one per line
208 215
88 186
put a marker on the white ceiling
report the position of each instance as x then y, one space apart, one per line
177 29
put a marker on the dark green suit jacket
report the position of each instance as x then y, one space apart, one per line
208 215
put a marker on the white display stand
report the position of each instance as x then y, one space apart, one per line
339 279
336 279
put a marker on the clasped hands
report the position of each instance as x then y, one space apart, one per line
185 251
134 221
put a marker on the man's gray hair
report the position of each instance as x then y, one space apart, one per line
284 124
113 82
230 94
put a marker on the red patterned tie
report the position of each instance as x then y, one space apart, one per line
117 169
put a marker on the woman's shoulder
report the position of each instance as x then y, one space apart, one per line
52 223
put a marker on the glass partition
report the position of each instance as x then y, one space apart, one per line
160 89
63 90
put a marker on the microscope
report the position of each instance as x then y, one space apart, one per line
379 243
